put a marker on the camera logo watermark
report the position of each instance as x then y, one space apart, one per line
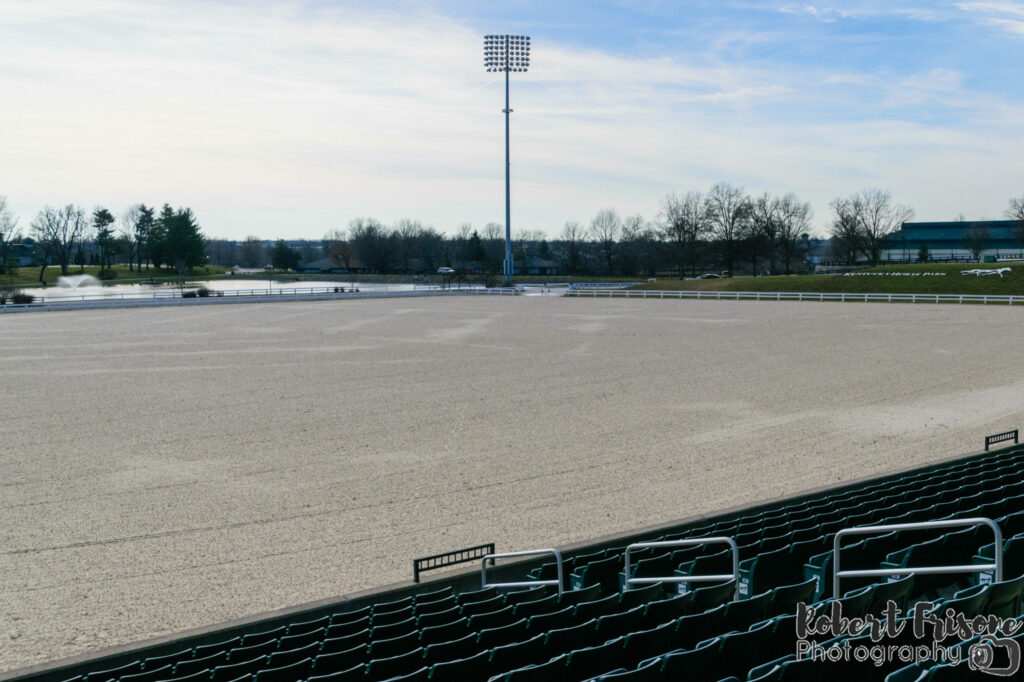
937 637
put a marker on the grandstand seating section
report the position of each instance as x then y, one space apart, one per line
671 631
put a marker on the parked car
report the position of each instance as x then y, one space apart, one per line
709 275
445 270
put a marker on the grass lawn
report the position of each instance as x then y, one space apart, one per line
951 282
28 277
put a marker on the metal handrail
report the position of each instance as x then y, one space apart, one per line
689 578
529 583
837 573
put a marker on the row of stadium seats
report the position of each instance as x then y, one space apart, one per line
663 630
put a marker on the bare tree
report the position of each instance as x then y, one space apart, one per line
685 225
631 243
845 230
976 239
338 248
462 254
406 233
1016 212
794 219
8 232
728 210
762 230
572 247
604 229
61 230
251 253
127 235
876 219
372 243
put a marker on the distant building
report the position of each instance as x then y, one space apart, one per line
949 240
326 266
24 253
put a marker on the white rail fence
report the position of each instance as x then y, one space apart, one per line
801 296
164 298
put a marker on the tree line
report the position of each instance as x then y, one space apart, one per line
141 236
722 228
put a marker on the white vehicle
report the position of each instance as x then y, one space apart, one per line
443 270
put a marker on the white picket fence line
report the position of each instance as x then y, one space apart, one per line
240 296
799 296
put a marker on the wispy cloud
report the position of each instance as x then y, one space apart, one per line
290 119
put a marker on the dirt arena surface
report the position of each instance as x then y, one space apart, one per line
170 468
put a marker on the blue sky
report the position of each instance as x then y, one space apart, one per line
288 119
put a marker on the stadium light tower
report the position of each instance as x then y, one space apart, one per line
507 53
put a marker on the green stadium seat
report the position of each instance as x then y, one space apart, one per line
439 617
298 641
651 672
308 626
785 597
746 612
216 648
433 595
344 629
350 616
246 653
549 621
473 668
617 624
604 572
564 640
464 647
643 644
664 610
441 604
1004 599
182 669
335 644
435 634
532 608
971 602
386 648
514 655
701 663
299 670
421 675
704 598
598 607
695 628
576 596
641 594
478 595
588 662
391 617
738 652
150 675
393 630
397 605
551 671
532 594
482 606
493 619
513 632
201 676
160 661
234 670
280 659
384 668
340 660
898 591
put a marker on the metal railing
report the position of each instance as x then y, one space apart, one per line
735 575
458 556
798 296
528 583
838 573
239 296
1001 438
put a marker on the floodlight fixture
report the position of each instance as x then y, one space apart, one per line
508 53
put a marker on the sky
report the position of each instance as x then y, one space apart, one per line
289 119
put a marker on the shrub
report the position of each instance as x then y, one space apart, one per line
107 274
203 292
189 294
22 298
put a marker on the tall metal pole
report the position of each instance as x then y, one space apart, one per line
508 205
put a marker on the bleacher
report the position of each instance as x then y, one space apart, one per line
665 620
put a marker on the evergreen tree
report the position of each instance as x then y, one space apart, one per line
106 242
184 246
284 257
